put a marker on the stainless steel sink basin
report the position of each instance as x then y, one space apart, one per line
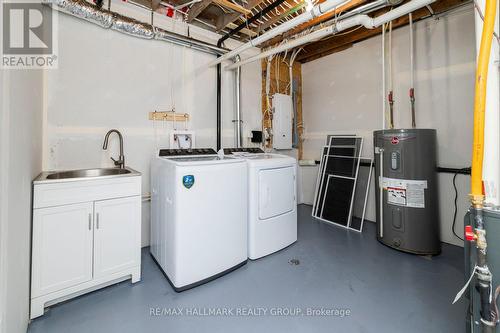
88 173
73 175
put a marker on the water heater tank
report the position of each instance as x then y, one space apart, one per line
407 195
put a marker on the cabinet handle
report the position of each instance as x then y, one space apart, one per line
97 220
90 221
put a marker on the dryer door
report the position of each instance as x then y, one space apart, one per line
276 192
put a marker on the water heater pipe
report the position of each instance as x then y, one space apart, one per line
364 20
411 92
390 95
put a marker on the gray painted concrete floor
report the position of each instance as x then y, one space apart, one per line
385 290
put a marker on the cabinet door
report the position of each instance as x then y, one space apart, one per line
117 235
62 247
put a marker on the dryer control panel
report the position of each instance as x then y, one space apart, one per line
253 150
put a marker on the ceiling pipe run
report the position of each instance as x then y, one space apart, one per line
252 19
302 18
111 20
364 20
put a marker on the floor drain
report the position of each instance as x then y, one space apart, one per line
294 262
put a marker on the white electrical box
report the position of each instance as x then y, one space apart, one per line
182 139
282 121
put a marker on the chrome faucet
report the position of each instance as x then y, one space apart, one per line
121 159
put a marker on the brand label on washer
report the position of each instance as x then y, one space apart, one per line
405 192
188 181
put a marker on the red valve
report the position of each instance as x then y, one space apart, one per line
469 233
390 97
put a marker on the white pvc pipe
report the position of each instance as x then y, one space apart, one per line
314 12
364 20
294 43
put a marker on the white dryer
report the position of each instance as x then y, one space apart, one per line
198 215
272 200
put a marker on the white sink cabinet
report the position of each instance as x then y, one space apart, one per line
86 235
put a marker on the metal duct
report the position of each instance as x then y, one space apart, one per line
111 20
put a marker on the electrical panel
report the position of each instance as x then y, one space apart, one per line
282 121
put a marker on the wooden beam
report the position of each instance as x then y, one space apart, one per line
197 8
348 6
317 55
233 6
245 31
334 44
223 21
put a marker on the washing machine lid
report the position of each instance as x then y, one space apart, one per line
276 191
257 157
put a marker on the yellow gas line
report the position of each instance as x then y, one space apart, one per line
476 195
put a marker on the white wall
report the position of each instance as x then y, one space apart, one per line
20 162
342 94
110 80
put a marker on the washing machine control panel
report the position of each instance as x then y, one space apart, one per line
253 150
187 152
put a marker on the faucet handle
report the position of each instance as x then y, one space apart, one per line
115 161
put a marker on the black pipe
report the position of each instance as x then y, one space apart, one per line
219 67
461 171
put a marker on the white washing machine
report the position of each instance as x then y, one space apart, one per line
198 215
272 200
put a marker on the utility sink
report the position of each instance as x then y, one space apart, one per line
88 173
70 175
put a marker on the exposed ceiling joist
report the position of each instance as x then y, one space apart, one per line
275 19
223 21
233 6
245 31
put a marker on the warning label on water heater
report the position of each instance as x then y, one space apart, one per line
396 196
405 192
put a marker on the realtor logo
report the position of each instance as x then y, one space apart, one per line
28 35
